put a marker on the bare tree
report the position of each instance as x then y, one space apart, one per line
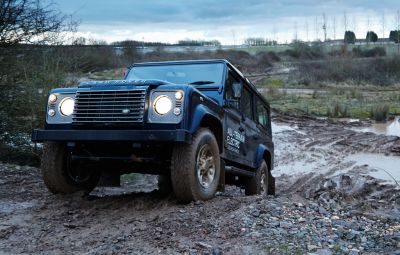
28 21
345 22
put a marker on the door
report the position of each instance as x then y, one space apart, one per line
234 128
251 131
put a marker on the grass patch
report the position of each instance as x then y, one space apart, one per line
337 102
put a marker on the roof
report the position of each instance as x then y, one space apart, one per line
181 62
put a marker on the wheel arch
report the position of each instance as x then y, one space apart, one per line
205 117
264 153
212 123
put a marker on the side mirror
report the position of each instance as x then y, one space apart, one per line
237 90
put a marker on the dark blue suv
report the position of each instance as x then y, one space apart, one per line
197 124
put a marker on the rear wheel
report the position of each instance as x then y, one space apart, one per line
63 175
259 183
196 167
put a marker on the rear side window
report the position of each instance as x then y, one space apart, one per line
262 115
246 103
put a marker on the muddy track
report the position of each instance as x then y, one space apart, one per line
325 203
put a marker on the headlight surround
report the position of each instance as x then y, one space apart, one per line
60 107
67 106
162 104
166 106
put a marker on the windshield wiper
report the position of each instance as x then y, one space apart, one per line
201 82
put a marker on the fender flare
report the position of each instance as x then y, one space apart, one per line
261 152
202 112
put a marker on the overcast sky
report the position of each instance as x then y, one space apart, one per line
228 21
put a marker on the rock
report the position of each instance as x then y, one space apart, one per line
311 247
204 245
256 234
322 210
284 224
70 225
354 251
216 251
301 219
255 213
324 252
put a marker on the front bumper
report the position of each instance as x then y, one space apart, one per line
40 135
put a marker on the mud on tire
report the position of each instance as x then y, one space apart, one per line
189 181
57 171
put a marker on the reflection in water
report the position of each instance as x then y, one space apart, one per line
386 167
387 128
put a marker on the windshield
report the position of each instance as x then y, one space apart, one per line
196 74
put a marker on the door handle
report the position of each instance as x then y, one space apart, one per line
241 129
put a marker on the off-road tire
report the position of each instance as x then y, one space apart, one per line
253 185
185 183
55 175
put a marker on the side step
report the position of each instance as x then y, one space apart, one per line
238 171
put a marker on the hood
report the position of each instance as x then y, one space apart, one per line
89 84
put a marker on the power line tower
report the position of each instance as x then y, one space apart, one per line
324 26
306 27
334 28
383 24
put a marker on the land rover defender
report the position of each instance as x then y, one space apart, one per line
197 124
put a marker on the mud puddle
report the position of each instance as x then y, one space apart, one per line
387 128
386 168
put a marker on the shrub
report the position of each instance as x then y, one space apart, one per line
379 112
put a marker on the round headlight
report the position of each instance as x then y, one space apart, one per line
67 106
162 105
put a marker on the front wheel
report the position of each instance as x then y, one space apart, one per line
63 175
196 167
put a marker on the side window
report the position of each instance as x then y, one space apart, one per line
229 94
262 115
246 103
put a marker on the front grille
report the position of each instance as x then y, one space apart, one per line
109 106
